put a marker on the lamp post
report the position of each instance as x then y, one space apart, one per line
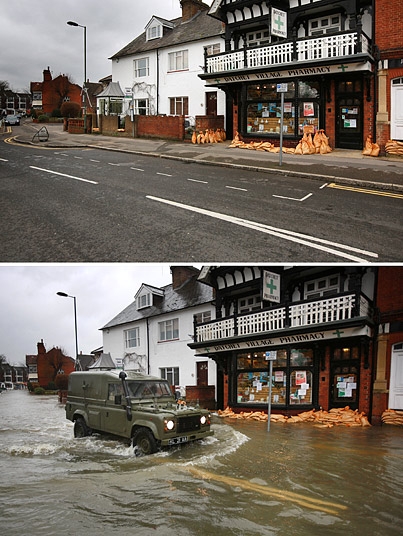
64 295
72 23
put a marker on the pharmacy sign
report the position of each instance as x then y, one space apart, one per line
271 286
278 22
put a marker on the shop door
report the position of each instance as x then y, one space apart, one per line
211 103
344 377
396 378
349 124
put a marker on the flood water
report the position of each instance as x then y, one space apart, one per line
296 479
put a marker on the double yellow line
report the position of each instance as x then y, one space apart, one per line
365 191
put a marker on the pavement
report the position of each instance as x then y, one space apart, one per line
343 167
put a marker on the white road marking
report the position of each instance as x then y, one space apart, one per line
79 157
292 236
92 160
137 169
63 175
196 180
3 160
112 164
164 174
293 198
235 188
323 186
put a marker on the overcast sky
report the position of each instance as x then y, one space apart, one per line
34 35
31 309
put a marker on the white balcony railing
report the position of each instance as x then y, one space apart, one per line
302 314
303 50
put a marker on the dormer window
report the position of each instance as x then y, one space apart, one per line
154 32
144 300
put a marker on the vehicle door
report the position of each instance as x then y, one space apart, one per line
114 416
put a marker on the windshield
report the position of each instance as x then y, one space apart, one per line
149 389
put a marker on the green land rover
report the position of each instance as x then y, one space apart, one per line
139 408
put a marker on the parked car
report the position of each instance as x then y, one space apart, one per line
134 406
12 120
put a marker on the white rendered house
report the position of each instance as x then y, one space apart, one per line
152 334
158 70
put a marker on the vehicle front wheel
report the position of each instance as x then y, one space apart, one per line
80 428
144 442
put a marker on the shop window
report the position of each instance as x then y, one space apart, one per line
301 387
292 379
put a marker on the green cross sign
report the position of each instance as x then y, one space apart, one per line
338 333
343 67
271 286
279 23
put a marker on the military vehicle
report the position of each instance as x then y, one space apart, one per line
134 406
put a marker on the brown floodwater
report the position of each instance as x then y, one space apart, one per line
293 480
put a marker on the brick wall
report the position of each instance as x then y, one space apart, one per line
204 122
49 363
389 36
160 126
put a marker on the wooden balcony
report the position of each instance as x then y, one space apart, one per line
342 46
295 315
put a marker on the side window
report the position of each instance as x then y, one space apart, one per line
113 390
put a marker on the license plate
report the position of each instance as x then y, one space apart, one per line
177 440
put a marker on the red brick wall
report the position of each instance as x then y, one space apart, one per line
161 126
388 35
390 289
204 122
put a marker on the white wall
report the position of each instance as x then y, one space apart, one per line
163 354
171 84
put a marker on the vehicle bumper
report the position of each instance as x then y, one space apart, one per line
186 438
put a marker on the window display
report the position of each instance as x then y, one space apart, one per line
292 379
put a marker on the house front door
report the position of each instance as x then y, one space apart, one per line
396 115
211 103
202 373
344 377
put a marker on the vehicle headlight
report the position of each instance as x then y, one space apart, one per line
169 425
203 419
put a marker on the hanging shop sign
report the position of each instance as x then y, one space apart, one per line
302 338
271 287
278 23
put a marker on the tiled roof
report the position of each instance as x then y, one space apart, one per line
188 295
199 27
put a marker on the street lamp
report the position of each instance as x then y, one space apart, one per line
72 23
64 295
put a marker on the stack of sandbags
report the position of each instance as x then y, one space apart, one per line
327 419
209 136
394 147
392 416
318 145
370 149
258 146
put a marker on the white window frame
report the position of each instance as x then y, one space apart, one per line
170 374
139 109
215 48
324 25
321 287
141 67
180 104
204 316
168 330
144 300
132 337
154 32
178 60
249 303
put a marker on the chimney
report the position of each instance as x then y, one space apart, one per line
47 75
191 7
182 274
41 347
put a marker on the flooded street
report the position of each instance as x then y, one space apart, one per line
297 479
